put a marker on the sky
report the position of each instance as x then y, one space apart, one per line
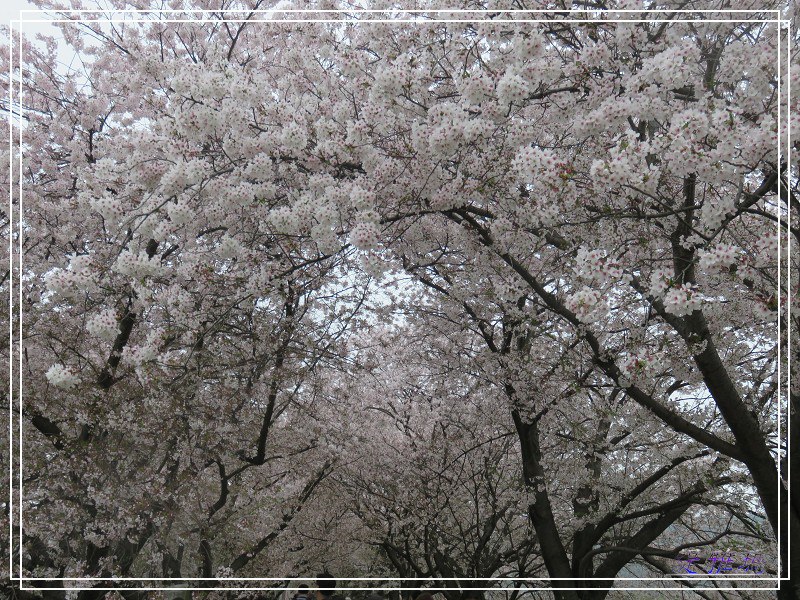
10 9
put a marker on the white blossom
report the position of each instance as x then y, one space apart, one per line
62 377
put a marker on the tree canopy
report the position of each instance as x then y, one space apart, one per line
437 295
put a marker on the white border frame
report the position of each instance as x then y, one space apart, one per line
780 23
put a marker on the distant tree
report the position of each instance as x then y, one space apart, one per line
587 215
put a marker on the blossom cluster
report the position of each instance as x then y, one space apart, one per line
610 115
528 47
136 264
593 265
135 355
66 283
669 68
180 213
539 165
194 171
205 83
626 164
109 207
766 249
62 377
476 88
260 167
593 55
103 325
149 171
476 128
229 247
365 235
360 198
372 264
294 137
638 368
587 304
444 131
444 139
324 232
614 172
80 263
682 300
678 300
325 238
512 88
660 281
388 82
691 123
285 220
446 198
721 256
714 211
200 121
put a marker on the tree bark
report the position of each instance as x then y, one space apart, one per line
540 511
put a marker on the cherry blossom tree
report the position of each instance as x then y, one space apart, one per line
601 476
170 369
579 219
432 476
641 198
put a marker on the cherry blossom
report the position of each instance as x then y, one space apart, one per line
472 298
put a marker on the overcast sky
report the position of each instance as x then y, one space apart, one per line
9 9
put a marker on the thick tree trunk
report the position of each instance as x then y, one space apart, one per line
540 512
